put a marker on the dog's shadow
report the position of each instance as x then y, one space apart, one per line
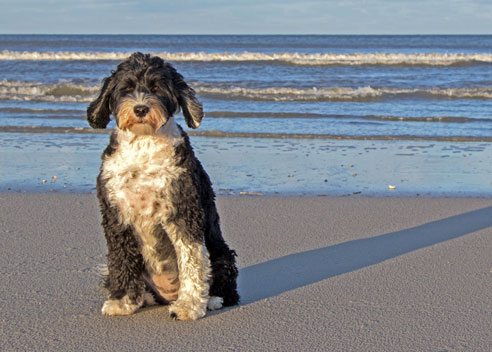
296 270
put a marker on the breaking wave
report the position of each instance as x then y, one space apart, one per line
341 94
36 91
70 92
304 59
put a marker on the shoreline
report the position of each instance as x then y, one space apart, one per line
341 273
266 166
256 135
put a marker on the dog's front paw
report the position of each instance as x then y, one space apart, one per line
186 311
120 307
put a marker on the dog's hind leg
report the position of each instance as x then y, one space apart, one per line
222 260
224 275
194 272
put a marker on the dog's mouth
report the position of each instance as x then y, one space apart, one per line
141 129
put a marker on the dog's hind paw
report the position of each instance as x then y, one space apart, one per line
149 299
215 303
120 306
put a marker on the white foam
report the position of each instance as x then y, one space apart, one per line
314 59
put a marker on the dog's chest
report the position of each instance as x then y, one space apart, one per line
138 177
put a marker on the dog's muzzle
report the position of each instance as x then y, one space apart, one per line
141 110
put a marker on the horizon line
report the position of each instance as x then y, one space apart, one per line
265 34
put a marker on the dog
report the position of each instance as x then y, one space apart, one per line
157 203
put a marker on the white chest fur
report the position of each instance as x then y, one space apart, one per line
138 175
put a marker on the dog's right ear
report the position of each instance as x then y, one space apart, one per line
99 110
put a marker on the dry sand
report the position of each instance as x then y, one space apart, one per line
316 274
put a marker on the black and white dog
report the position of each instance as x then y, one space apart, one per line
158 207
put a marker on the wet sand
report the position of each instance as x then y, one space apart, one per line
267 165
316 274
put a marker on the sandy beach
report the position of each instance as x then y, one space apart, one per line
316 274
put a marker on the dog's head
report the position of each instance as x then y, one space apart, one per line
142 94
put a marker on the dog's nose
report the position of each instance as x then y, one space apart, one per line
141 110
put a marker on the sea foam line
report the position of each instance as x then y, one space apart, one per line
306 116
312 59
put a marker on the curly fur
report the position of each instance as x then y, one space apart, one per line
157 204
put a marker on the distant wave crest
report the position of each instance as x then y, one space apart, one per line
304 59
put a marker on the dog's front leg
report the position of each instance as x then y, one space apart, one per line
125 267
194 273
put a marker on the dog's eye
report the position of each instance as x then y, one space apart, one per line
155 89
128 89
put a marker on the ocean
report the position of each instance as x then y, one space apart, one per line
318 88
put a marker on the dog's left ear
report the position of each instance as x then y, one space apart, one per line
99 110
191 107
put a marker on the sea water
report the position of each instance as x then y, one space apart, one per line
322 87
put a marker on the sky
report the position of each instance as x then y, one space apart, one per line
246 17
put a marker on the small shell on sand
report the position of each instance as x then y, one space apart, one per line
250 193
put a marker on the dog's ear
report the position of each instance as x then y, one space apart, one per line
99 110
191 107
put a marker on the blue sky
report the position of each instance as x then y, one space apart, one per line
247 16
